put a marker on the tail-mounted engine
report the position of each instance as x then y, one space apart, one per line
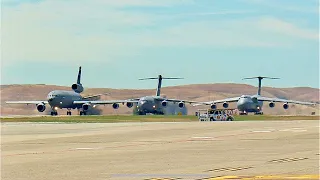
41 107
77 88
285 106
115 106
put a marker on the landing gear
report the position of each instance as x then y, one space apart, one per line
258 113
243 113
69 113
54 113
83 113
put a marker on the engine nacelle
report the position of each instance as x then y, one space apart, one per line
77 88
213 106
115 105
164 103
181 104
41 107
285 106
225 105
129 104
271 104
86 107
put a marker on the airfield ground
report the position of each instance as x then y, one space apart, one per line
146 150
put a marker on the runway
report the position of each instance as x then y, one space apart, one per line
188 150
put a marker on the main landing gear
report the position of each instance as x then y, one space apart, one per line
69 112
243 113
258 113
83 113
54 113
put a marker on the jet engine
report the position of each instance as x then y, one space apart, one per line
225 105
115 106
86 106
129 104
181 104
77 88
41 107
285 106
164 103
213 106
271 104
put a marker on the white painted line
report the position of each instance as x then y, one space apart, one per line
202 137
85 148
262 131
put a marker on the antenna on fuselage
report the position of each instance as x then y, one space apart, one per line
260 79
160 78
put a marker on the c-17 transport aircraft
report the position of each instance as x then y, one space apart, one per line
253 103
59 99
156 105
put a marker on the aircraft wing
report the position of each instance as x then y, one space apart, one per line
26 102
179 100
233 99
284 100
97 95
103 102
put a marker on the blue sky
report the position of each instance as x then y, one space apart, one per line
117 42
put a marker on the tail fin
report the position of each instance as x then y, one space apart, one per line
160 78
260 79
79 76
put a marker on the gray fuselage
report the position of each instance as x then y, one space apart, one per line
249 103
153 104
63 99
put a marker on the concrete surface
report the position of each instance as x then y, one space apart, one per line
193 150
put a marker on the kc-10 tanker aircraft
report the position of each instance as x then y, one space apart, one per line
253 103
59 99
152 104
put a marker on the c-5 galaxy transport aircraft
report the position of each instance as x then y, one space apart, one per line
152 104
59 99
253 103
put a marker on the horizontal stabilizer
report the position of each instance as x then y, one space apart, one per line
261 77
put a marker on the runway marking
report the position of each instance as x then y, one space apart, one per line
162 178
264 177
229 169
262 131
85 148
287 160
134 144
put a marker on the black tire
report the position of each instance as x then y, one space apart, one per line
229 119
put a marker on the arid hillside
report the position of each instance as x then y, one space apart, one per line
195 92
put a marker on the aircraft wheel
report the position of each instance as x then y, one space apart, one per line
81 113
229 119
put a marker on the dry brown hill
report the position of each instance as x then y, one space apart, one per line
196 92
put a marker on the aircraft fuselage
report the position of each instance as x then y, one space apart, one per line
153 104
248 103
63 99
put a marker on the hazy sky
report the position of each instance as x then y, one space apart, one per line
118 41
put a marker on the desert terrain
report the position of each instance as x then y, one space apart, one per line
195 92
